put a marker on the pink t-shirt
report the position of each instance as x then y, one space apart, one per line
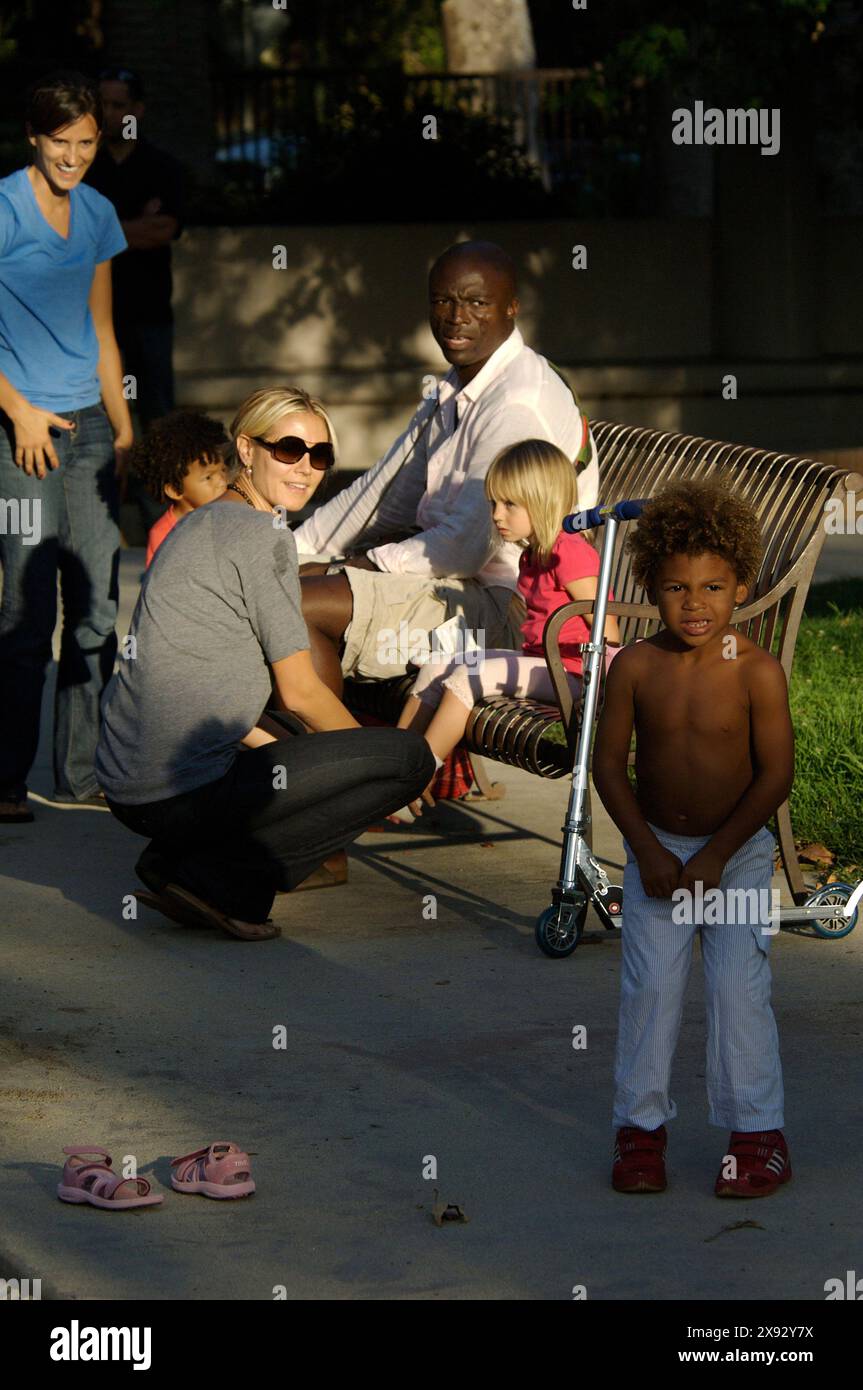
159 531
542 588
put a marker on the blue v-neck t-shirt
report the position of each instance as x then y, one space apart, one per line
48 345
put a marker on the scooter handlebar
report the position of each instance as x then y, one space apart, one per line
596 516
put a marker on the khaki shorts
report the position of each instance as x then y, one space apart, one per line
392 611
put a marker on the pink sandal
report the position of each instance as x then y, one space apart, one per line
87 1180
222 1170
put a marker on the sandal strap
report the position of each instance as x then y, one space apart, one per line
142 1187
80 1150
199 1153
106 1184
195 1170
205 1165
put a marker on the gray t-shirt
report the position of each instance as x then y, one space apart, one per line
220 601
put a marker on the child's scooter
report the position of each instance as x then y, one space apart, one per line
832 909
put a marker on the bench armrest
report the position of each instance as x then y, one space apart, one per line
551 642
797 580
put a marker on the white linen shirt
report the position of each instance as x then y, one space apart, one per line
433 477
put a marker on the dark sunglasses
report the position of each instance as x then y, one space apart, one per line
291 449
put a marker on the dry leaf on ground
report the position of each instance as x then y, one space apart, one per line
446 1213
816 854
737 1226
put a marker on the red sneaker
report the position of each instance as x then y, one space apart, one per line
639 1160
763 1164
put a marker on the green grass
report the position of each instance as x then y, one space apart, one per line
827 709
826 697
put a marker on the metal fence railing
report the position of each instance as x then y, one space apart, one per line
268 117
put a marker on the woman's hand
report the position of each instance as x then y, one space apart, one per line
34 449
416 807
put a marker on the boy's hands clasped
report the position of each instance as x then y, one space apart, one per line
705 867
662 872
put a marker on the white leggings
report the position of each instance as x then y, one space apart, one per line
499 672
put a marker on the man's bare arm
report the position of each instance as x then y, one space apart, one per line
361 562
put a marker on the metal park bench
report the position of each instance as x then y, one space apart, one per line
790 496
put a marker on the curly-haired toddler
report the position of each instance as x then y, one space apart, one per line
180 460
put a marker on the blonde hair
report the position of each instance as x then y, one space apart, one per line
257 414
538 476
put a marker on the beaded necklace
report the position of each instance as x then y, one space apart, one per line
249 497
232 487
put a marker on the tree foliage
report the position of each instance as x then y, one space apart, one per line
366 33
726 52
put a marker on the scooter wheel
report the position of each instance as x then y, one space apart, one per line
554 940
828 895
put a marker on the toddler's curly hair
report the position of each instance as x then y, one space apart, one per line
171 445
689 518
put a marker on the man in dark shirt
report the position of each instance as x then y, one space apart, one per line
146 187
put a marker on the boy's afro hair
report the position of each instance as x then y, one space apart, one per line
171 445
689 518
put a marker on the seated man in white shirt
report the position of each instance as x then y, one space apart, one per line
414 534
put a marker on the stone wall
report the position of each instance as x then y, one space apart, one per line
634 331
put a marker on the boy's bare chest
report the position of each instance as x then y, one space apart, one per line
709 704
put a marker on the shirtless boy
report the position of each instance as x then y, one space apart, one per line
714 760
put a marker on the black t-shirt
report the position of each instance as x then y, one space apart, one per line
141 279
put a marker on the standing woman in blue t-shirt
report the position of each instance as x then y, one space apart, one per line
64 430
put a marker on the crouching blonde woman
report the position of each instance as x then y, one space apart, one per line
234 809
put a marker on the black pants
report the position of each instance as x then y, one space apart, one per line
276 815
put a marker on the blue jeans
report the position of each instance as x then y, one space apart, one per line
77 537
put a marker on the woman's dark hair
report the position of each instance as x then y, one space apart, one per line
60 99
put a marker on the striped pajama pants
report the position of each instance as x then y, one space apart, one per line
744 1073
